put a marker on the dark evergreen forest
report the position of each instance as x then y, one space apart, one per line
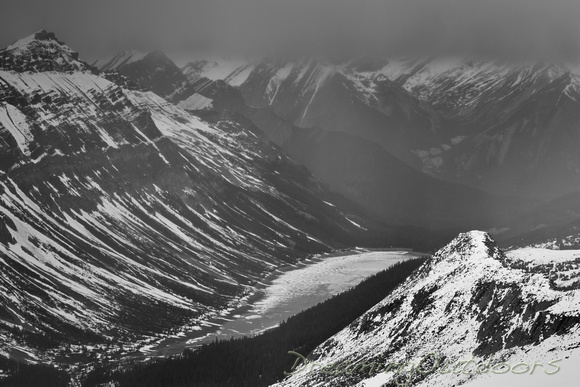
260 360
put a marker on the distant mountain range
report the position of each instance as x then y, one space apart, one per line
442 143
505 128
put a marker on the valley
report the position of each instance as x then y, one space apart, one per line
156 219
291 291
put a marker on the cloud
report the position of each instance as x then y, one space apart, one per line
346 27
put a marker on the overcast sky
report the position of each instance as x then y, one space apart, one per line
99 28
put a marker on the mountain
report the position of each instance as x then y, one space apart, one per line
364 171
318 93
555 237
312 93
542 219
518 123
509 128
152 71
532 151
215 68
355 166
553 225
156 72
122 215
119 60
32 52
464 313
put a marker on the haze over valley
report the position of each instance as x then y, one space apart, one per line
174 176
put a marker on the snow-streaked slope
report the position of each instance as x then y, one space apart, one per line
121 59
508 127
316 93
470 301
195 102
15 122
491 124
122 215
358 168
216 68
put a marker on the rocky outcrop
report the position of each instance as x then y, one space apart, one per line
470 301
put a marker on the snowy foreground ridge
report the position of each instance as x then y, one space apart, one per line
454 321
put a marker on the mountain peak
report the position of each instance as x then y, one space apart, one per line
46 35
39 37
470 245
41 51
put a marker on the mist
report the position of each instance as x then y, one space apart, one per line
530 28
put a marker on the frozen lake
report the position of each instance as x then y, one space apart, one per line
290 293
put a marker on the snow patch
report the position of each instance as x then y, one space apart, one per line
15 121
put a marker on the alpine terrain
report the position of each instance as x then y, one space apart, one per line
472 314
123 216
149 201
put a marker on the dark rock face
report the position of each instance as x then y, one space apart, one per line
369 321
499 305
5 226
155 72
422 300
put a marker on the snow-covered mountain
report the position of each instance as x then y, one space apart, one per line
518 124
122 215
31 53
504 127
468 309
151 71
352 164
216 68
321 94
314 93
119 60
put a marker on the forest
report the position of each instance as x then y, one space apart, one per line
31 375
260 360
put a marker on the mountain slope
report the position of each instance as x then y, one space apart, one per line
516 124
152 71
215 68
364 171
119 60
532 150
122 215
320 94
471 302
503 127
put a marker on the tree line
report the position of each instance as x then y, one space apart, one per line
259 360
